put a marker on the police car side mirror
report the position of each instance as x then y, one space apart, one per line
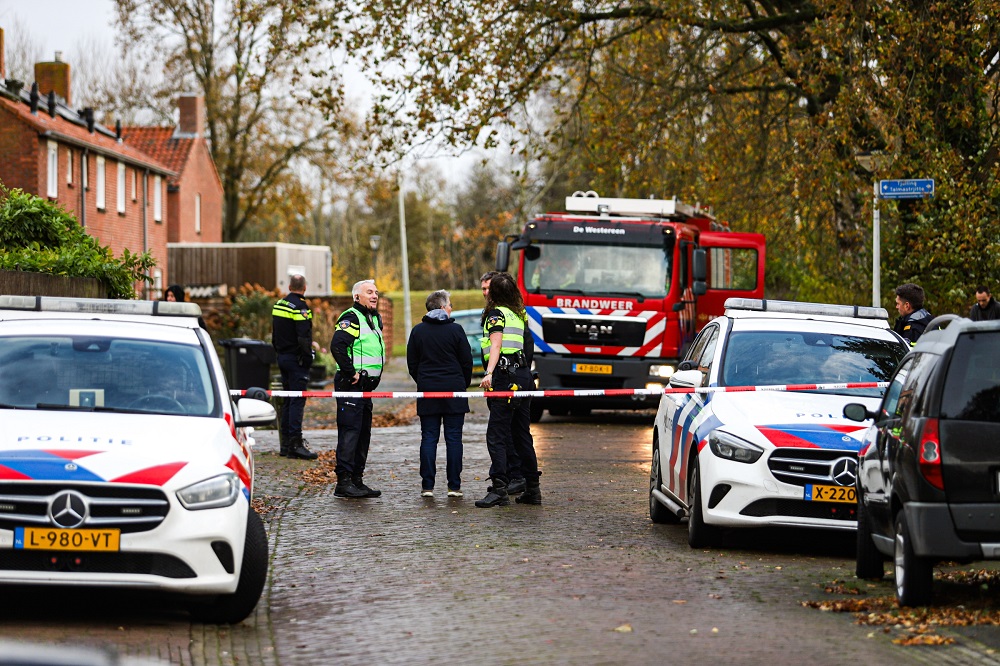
687 379
855 411
250 412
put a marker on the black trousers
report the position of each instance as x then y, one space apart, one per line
510 421
354 435
294 377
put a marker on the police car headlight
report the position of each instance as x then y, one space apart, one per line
732 448
219 491
662 371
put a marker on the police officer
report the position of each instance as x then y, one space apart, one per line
515 480
291 336
504 330
359 350
913 317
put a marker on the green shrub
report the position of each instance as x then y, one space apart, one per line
38 236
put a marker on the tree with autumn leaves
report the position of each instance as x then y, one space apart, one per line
756 108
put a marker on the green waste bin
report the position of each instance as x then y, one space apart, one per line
248 362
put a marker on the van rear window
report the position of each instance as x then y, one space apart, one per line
972 388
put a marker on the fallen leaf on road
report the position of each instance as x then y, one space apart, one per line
624 629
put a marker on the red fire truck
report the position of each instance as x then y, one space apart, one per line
616 290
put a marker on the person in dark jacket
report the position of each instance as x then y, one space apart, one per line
913 317
291 336
986 308
175 294
438 358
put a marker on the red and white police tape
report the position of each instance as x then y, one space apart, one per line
564 393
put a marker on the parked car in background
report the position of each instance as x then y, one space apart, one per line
768 458
471 321
124 462
929 475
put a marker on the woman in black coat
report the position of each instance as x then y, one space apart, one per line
439 358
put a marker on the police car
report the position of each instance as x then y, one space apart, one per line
123 460
756 458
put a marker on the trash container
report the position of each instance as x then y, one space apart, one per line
248 362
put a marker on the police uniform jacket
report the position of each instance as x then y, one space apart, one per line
291 328
439 358
348 329
912 325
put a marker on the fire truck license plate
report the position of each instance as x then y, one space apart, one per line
846 494
592 369
46 538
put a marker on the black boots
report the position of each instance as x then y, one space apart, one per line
359 483
496 495
297 449
516 486
532 493
346 488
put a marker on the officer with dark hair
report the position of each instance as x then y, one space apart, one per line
291 336
359 350
913 317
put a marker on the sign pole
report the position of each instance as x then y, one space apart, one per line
876 250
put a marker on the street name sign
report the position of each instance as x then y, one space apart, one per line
911 188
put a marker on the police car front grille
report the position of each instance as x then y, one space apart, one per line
765 508
128 508
153 564
801 467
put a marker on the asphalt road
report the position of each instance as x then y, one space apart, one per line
585 578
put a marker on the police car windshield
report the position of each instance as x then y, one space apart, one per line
596 269
101 373
761 358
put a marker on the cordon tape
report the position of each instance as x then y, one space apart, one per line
565 393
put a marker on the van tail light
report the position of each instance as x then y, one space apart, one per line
930 454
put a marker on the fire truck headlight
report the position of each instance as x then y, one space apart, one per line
662 371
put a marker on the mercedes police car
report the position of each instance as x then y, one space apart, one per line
755 458
123 460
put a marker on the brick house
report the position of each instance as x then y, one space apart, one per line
194 193
134 189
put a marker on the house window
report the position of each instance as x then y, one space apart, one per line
69 166
134 178
197 213
100 183
53 185
121 187
157 200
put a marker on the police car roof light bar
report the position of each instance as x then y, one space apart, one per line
794 307
99 305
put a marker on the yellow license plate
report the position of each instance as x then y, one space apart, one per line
591 369
846 494
46 538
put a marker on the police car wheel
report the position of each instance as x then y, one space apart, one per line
236 607
700 534
658 513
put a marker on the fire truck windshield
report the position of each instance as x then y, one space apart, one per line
596 269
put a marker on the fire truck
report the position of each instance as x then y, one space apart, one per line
616 290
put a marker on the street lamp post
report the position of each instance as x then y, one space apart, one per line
373 243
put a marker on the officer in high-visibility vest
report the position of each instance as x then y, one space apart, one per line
291 336
359 350
504 331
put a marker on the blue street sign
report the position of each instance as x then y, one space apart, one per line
912 188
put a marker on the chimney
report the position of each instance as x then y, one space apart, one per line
54 77
192 114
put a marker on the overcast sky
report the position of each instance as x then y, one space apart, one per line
63 25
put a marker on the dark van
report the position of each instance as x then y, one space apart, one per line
929 467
